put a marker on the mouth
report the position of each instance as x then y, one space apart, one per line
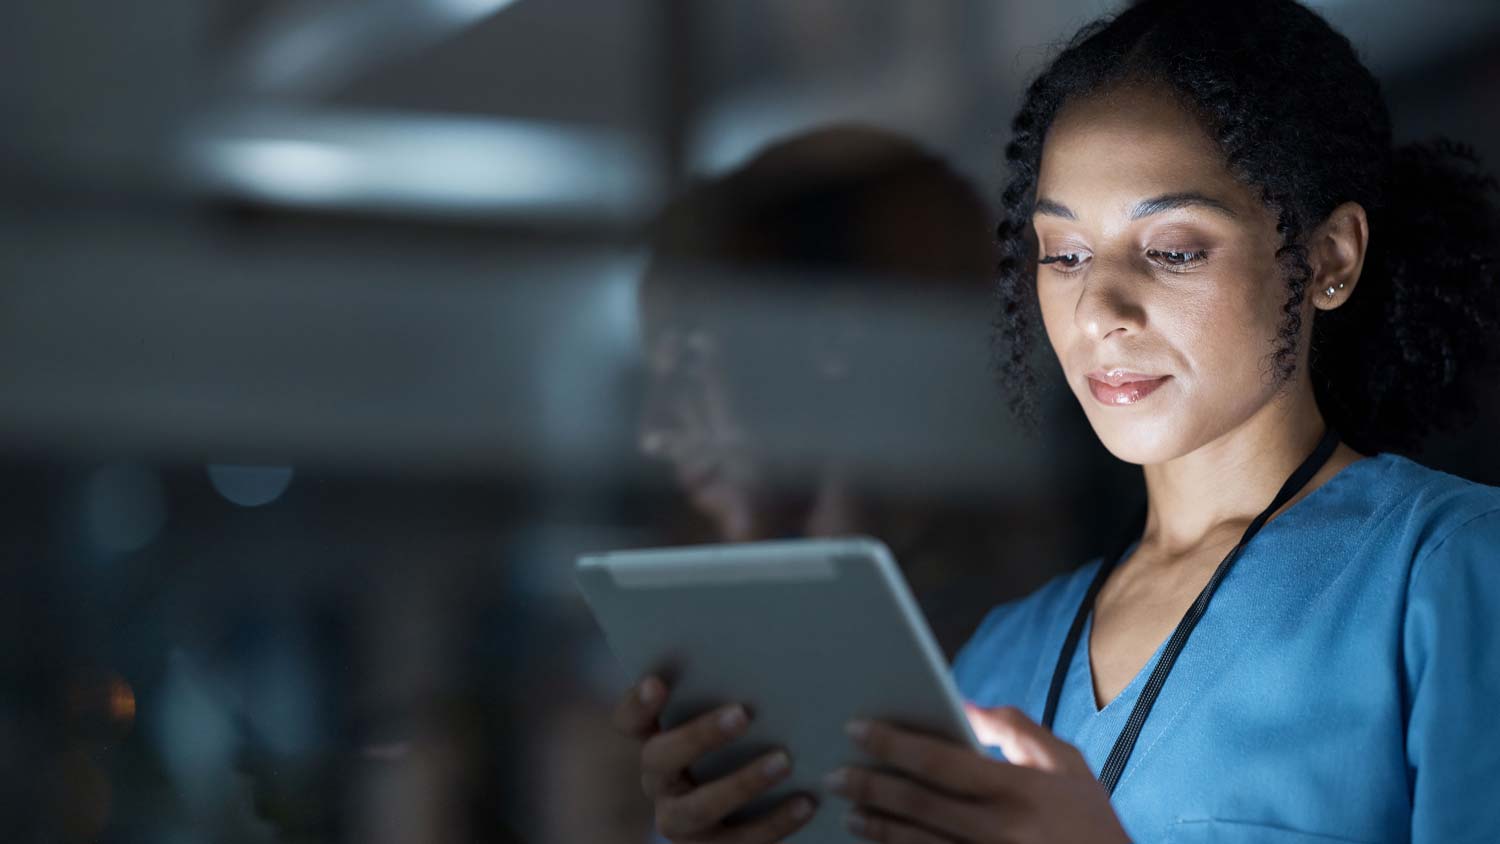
1120 387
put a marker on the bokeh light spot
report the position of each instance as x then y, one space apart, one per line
124 508
250 486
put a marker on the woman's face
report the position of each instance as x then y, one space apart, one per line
690 419
1157 276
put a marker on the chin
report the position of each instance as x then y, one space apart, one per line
1138 438
725 510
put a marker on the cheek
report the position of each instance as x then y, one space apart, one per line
1056 306
1226 328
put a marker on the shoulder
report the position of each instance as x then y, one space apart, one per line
1450 650
1443 533
1433 511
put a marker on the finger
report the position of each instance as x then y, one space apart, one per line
873 827
952 767
981 723
636 713
1027 743
666 755
788 817
708 805
908 802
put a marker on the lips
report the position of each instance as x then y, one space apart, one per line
1117 387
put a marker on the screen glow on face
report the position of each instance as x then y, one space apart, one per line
1156 276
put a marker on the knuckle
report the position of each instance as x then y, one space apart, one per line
654 752
706 730
911 801
858 785
747 783
923 763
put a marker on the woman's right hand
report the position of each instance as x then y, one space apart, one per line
687 811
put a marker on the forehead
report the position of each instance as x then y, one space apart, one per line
1128 143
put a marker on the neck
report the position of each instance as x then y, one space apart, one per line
1221 486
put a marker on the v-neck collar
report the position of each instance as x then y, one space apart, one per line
1093 729
1131 689
1136 681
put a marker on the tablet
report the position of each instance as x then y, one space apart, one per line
808 634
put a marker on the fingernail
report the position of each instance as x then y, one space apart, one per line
858 730
733 720
856 821
802 808
836 781
649 691
777 765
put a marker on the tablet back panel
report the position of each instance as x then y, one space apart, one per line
806 633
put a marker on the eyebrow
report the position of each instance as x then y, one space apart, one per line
1146 207
1172 201
1054 209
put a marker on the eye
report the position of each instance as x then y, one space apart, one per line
1065 262
1176 259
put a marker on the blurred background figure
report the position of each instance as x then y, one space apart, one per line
814 325
324 350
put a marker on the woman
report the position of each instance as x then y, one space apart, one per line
1249 292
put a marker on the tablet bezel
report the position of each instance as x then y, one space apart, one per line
607 580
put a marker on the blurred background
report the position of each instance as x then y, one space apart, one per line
322 354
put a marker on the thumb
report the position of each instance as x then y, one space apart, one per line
1023 741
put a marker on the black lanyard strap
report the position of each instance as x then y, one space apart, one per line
1114 766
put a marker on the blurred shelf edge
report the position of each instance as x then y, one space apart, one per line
433 167
168 336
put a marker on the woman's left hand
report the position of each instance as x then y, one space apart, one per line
946 793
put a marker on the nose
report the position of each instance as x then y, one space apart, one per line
1109 304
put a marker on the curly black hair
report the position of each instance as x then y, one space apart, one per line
1299 119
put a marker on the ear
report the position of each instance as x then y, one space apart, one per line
1336 251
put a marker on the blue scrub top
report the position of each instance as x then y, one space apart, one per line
1344 685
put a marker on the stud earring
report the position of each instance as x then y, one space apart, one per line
1329 291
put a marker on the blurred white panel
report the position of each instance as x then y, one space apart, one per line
315 46
160 338
419 164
